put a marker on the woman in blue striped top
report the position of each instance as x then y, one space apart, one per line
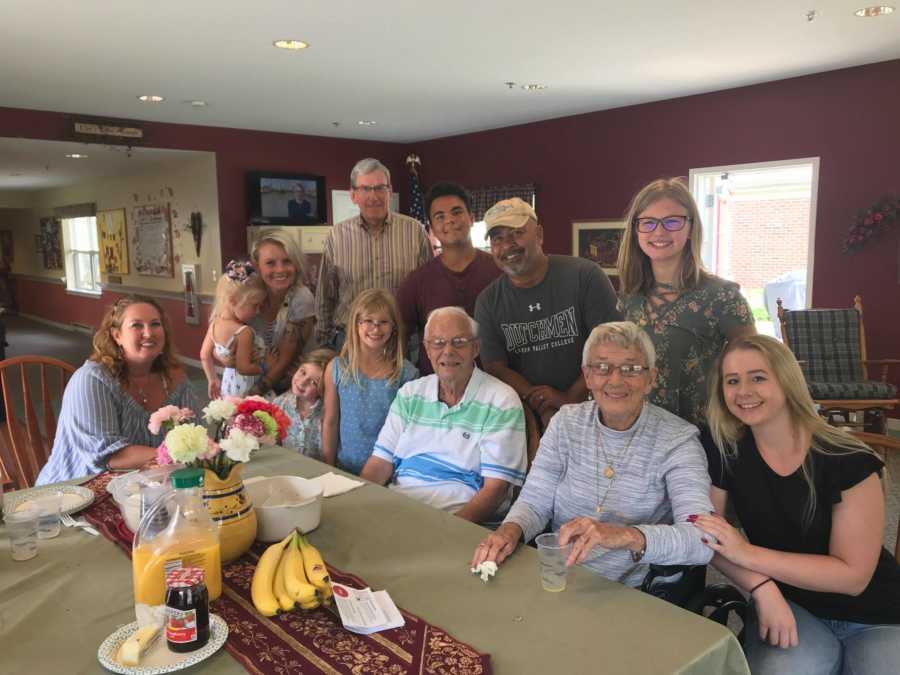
132 372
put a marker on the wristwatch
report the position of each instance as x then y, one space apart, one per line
637 556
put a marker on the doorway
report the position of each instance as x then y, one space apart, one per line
759 231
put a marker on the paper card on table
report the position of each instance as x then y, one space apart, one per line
365 612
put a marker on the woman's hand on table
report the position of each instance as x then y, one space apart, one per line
586 533
498 545
777 624
726 540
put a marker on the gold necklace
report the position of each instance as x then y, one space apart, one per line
609 472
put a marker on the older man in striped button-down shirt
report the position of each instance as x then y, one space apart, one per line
375 249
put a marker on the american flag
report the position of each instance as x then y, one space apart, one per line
417 205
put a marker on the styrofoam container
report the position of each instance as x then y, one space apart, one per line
283 503
126 490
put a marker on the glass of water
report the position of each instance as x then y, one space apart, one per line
48 507
553 561
22 528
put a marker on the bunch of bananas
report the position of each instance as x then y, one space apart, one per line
290 573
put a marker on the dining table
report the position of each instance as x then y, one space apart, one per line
57 608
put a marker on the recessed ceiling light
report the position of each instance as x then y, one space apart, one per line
296 45
534 87
875 10
76 155
151 98
197 103
366 123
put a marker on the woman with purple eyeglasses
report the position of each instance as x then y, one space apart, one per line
688 313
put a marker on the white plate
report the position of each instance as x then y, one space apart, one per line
75 498
158 659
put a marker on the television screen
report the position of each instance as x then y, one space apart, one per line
286 199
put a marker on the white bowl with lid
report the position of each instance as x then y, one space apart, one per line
283 503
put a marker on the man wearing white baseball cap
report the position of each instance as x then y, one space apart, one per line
536 317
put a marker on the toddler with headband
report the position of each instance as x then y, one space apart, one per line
229 340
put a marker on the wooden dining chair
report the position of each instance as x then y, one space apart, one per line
26 441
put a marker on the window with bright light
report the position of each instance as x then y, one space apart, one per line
82 254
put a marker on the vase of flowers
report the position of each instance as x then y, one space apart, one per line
236 429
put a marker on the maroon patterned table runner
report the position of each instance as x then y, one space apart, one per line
301 642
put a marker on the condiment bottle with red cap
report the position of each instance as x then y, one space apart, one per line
187 609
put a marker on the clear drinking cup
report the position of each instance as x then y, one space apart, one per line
22 529
48 507
553 557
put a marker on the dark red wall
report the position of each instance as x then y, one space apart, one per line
237 151
588 166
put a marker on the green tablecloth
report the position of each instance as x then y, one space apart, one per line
57 608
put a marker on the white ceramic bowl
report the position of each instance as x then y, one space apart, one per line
283 503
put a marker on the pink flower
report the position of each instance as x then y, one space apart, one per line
162 416
249 425
213 450
162 454
877 217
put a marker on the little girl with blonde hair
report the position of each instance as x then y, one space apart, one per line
229 339
361 383
303 404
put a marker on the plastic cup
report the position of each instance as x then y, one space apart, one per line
552 558
48 508
22 529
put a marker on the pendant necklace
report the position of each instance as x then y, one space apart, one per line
609 472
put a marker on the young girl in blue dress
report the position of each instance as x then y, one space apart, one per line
361 383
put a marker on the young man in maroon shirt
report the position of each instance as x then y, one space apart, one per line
454 278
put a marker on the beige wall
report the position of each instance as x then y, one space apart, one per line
186 185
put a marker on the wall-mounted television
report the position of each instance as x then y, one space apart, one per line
286 198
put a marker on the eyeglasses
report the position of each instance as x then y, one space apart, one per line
374 323
369 189
670 223
456 343
626 369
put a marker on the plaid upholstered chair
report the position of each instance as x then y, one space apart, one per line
830 345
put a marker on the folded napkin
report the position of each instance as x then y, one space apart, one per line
334 484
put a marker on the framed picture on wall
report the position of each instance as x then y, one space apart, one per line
113 239
598 241
151 240
51 243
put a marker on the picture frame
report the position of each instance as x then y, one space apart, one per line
112 235
151 240
51 243
599 242
191 299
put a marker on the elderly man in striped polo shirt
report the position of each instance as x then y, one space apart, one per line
454 439
375 249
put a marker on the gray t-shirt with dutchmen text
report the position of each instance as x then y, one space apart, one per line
540 331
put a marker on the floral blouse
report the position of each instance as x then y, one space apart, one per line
304 435
688 333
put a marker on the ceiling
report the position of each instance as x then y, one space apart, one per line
37 165
419 69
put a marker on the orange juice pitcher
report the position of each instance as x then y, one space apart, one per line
175 532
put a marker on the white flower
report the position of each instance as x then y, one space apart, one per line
187 442
218 410
239 445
